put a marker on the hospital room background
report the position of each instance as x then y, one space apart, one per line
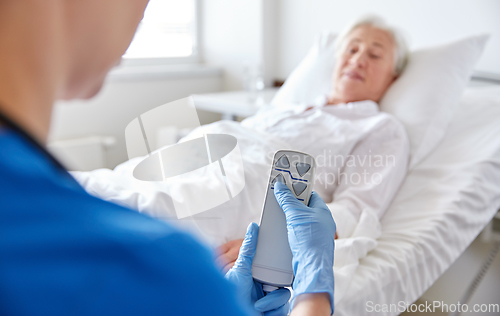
234 55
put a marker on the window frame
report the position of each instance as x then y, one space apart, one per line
194 58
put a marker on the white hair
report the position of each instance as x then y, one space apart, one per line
400 46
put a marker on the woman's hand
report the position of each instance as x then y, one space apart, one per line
228 253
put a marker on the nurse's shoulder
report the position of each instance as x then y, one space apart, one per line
64 251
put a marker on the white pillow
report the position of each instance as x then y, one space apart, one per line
423 98
426 95
313 76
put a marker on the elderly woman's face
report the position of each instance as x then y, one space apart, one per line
365 68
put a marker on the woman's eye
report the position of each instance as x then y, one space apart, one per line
374 56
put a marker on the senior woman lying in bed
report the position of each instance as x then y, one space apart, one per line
362 157
361 153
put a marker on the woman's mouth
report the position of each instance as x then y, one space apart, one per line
353 75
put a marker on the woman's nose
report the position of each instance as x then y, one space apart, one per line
359 59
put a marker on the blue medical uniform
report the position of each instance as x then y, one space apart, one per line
64 252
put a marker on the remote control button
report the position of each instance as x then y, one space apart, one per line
302 168
279 178
283 162
299 187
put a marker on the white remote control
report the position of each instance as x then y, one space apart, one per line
272 263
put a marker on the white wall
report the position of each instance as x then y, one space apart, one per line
236 32
427 22
230 35
119 103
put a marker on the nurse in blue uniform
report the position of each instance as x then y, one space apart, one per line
64 252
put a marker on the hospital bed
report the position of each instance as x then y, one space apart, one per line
443 204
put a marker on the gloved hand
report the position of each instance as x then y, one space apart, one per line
311 234
250 291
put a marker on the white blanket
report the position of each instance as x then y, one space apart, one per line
228 221
215 226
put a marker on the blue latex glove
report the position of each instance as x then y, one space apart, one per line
311 235
250 291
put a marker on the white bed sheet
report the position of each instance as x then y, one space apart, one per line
441 207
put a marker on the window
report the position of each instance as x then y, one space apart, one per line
167 32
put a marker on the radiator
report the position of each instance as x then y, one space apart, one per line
82 154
